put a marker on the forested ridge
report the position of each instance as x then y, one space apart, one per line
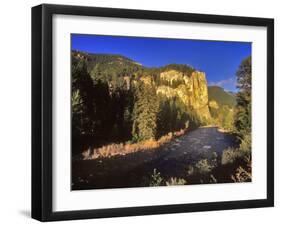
115 99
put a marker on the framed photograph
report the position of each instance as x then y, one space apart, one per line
146 112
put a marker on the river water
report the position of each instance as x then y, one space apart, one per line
171 160
200 142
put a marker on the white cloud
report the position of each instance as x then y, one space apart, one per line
229 81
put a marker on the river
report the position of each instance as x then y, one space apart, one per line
171 160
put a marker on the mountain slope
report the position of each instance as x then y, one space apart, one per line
221 96
118 65
107 66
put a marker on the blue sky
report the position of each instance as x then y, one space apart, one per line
219 60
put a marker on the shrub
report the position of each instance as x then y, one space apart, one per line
156 179
135 138
175 181
213 179
214 159
230 155
165 139
203 167
190 170
246 143
129 147
244 172
86 154
242 175
201 172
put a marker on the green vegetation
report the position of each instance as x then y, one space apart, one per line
156 179
221 96
243 113
183 68
99 112
222 106
81 99
241 157
203 167
223 116
173 116
108 67
145 112
242 120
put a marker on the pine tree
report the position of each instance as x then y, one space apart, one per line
145 112
80 100
164 125
243 110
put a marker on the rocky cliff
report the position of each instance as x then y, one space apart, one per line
191 89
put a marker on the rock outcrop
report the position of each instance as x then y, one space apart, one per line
191 89
213 104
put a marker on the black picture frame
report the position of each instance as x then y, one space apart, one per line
42 111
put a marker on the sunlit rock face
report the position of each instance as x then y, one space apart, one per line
213 104
191 89
147 80
171 76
